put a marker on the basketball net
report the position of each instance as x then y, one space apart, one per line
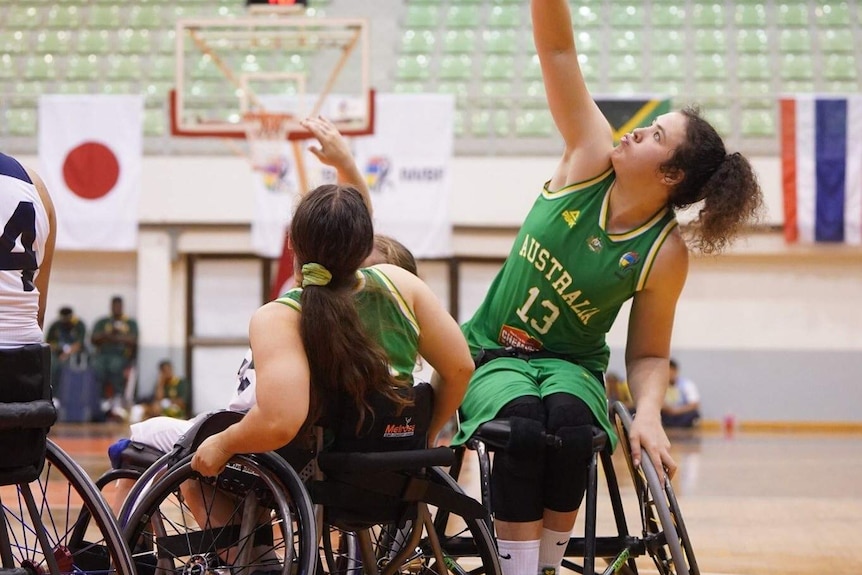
269 151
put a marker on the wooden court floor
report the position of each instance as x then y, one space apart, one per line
753 503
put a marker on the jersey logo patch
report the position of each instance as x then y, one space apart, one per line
595 244
627 263
571 217
518 338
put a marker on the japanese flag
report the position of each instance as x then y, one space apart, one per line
90 150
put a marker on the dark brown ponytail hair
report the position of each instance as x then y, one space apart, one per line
725 182
332 228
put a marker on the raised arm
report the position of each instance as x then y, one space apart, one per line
586 132
334 151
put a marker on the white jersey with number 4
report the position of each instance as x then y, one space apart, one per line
22 247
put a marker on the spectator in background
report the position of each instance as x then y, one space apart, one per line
115 347
66 336
681 401
618 390
171 395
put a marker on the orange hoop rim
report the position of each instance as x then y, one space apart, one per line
264 125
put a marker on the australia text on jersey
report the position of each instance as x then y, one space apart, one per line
558 277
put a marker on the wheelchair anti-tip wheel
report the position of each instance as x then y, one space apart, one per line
664 531
255 518
60 524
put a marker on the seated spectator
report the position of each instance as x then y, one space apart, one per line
66 336
681 401
171 395
618 390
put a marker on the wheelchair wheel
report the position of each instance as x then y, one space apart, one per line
664 531
59 523
254 519
435 543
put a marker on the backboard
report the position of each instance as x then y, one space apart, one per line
230 69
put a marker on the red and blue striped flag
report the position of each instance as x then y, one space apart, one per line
821 158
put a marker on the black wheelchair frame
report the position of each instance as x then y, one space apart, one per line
664 537
38 536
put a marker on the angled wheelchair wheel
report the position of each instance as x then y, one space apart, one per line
254 519
433 543
664 531
60 524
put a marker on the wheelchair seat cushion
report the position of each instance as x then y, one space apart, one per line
26 412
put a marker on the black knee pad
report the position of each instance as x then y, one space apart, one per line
566 410
565 476
516 476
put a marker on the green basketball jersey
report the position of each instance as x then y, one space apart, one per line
386 317
566 277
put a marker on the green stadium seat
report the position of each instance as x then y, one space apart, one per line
409 88
627 67
710 67
750 15
486 123
626 86
792 14
668 67
75 87
626 15
721 120
498 67
145 16
459 123
753 67
466 1
710 91
119 87
532 70
20 121
459 42
590 66
131 41
455 67
585 15
461 90
155 122
126 67
506 16
535 90
13 41
412 68
496 90
65 17
710 41
836 40
833 14
534 123
156 91
84 68
665 41
165 41
667 16
54 42
708 15
794 40
25 94
94 42
104 16
422 16
756 94
8 67
417 42
797 87
588 41
500 41
841 87
463 16
20 16
161 68
839 67
752 41
797 67
627 42
758 123
40 68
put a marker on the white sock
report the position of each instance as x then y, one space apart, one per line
552 548
518 557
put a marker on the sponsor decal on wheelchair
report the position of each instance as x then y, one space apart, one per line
405 428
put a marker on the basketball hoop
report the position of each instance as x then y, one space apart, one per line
267 134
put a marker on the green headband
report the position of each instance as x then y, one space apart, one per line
315 275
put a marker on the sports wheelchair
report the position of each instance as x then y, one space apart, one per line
53 520
354 507
663 537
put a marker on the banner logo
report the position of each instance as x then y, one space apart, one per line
377 173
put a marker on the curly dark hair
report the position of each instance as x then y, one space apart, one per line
724 182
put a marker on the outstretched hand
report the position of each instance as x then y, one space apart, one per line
333 149
647 434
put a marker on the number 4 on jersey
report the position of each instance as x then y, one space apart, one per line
22 224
